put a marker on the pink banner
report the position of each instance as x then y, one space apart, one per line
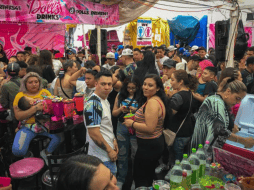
15 37
58 12
212 35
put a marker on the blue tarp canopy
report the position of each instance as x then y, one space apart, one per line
184 28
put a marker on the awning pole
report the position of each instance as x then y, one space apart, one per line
84 38
99 43
231 39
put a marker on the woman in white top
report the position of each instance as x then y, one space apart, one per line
62 87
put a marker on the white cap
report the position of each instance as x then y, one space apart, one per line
194 48
171 48
127 52
110 55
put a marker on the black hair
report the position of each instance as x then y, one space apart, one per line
66 65
212 70
143 48
136 49
160 93
105 73
92 72
45 59
28 48
56 51
78 65
251 48
24 104
34 68
127 46
147 66
161 47
77 172
228 72
121 76
81 52
201 48
90 64
114 68
124 92
22 64
148 47
189 81
20 52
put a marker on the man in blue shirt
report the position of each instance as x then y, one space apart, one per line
119 51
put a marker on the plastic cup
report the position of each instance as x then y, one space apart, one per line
79 102
58 108
69 109
231 186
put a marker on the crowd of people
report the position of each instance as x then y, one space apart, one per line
158 87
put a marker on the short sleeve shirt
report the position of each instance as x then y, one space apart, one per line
38 96
129 70
97 114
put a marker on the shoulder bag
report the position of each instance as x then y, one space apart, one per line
170 135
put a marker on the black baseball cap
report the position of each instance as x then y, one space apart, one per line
250 60
13 69
195 58
169 63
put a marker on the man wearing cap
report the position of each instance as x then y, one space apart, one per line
57 63
11 88
119 51
110 61
190 67
247 74
71 53
193 49
168 68
127 58
171 51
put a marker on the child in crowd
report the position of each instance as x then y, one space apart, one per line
208 77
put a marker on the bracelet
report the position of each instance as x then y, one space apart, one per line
132 124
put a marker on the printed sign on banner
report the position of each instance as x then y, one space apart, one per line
58 12
144 32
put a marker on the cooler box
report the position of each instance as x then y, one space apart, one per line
245 121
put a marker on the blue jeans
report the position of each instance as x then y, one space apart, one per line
179 144
124 140
112 166
23 138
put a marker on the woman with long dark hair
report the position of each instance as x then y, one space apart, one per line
149 122
63 88
3 57
83 172
126 102
147 66
46 65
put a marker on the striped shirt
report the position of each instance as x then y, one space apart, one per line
140 118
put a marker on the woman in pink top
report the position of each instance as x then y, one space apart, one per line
148 123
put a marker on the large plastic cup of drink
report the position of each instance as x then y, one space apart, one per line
69 108
58 108
79 102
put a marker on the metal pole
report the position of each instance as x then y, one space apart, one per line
84 38
99 43
231 39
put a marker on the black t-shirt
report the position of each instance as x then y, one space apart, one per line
247 79
48 74
180 102
211 87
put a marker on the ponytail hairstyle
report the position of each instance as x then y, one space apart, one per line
189 81
66 65
235 86
229 72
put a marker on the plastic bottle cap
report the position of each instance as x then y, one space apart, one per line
200 146
207 142
194 150
185 155
156 187
177 162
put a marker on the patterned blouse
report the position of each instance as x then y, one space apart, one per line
140 118
212 123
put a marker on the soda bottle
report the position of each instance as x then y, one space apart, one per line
176 175
185 164
202 158
208 154
195 163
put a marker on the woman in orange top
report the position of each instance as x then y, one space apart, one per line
149 122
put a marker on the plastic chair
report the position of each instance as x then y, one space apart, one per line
54 166
25 168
